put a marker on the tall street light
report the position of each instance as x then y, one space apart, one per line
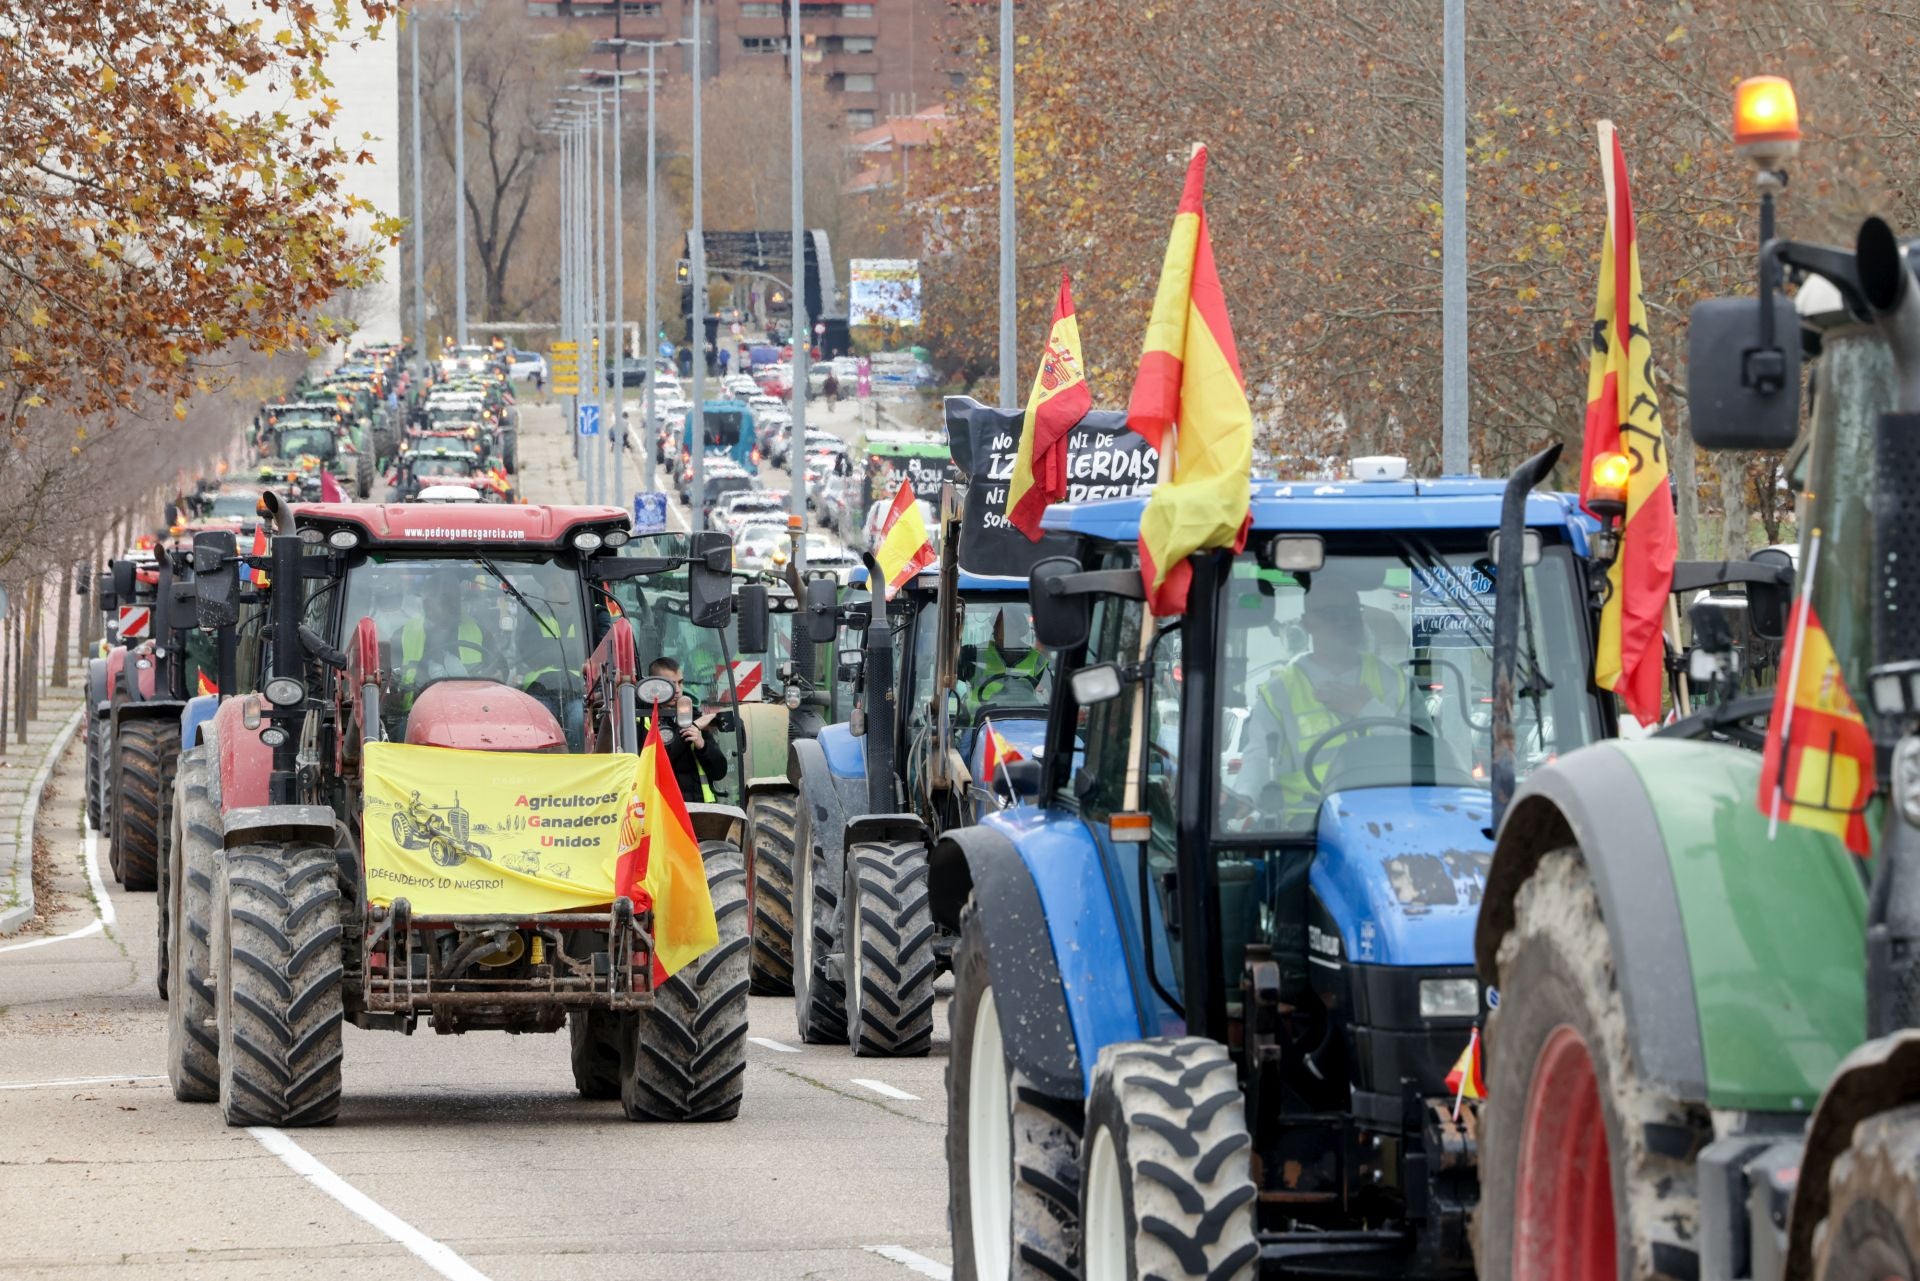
802 331
459 180
698 271
419 217
1008 388
613 428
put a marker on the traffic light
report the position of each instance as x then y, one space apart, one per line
684 271
778 298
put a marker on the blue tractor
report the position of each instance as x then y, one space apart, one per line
1210 982
952 705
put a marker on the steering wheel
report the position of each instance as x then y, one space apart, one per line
1361 726
1459 679
1001 679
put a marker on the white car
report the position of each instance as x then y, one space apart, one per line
756 510
825 553
527 366
877 516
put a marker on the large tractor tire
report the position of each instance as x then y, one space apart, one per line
278 943
890 957
1586 1168
819 999
685 1058
193 1050
594 1038
1166 1183
95 730
142 765
770 824
363 476
510 449
1013 1153
1872 1228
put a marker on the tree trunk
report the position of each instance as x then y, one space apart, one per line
1687 491
63 624
1735 542
36 622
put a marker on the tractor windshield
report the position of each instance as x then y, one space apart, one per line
297 441
450 465
1001 669
516 622
1377 670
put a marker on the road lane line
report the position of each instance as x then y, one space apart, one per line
881 1087
440 1258
772 1044
75 1080
917 1262
103 905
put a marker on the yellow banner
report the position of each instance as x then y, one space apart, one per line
508 833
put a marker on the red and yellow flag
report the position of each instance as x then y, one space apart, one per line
1059 399
1190 375
1623 416
906 547
258 577
1818 769
660 865
1468 1079
998 752
204 684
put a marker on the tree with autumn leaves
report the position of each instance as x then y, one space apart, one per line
160 232
1324 123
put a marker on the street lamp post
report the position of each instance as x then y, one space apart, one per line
1008 388
698 338
419 218
802 334
459 180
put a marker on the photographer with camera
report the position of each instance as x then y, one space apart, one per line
696 759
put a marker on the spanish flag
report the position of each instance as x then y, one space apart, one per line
1818 768
1059 399
205 685
660 865
248 573
905 546
1468 1079
1190 375
1623 416
997 752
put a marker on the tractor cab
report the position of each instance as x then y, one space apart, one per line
1263 827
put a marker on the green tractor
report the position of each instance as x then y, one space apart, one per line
1703 1052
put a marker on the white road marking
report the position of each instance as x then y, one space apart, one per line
103 905
75 1080
881 1087
772 1044
917 1262
439 1257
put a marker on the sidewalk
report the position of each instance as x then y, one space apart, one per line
23 779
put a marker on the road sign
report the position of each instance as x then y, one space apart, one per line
565 346
649 513
135 620
589 420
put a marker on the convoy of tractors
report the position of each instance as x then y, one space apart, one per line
1219 901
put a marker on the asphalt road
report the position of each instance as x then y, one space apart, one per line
453 1156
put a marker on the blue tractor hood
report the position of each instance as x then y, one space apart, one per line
1402 870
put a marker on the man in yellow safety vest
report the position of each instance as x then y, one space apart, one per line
442 641
1339 681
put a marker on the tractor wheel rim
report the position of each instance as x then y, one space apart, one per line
855 963
1563 1222
803 919
989 1145
1103 1234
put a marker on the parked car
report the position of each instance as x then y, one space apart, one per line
528 366
827 553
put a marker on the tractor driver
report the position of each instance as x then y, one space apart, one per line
443 641
1338 681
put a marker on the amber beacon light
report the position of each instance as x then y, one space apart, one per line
1766 119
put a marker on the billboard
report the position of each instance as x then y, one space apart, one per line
883 291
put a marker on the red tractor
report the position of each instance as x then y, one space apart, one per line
446 625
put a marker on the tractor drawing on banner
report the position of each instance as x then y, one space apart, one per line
443 831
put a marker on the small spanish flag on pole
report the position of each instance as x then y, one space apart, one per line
248 573
997 752
1623 422
906 547
1059 399
204 684
660 865
1467 1080
1190 375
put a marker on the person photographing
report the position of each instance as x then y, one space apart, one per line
697 760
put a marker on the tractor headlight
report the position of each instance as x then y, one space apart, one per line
273 735
586 540
617 537
1449 998
793 698
310 535
343 539
285 691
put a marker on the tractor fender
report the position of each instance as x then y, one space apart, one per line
246 763
131 672
1876 1077
1737 951
769 783
717 822
115 660
153 709
279 825
1035 1024
196 712
98 687
887 828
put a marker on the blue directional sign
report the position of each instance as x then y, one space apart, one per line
589 420
649 513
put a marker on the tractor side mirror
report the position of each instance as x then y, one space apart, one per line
182 611
1100 683
1741 394
822 597
710 580
1767 602
216 578
1060 621
750 617
848 664
103 588
123 579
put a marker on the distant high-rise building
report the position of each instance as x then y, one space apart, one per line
880 58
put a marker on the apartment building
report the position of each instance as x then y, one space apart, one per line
880 58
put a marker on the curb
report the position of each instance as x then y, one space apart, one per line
12 917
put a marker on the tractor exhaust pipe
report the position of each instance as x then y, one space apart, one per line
1508 600
1886 281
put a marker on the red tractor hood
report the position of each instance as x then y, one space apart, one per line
454 524
483 716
